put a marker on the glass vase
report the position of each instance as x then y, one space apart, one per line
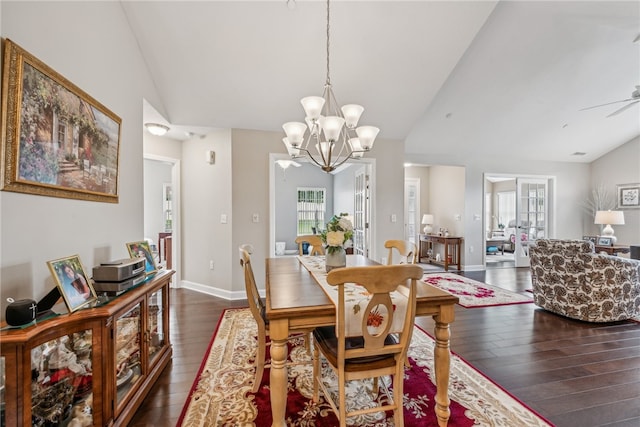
335 258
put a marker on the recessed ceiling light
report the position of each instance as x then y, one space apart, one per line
156 129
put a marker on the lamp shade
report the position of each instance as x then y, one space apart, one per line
609 218
427 219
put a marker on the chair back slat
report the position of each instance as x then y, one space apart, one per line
315 244
253 296
407 251
379 281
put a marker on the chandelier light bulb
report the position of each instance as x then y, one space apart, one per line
295 132
332 126
352 113
293 152
356 148
314 126
367 135
312 106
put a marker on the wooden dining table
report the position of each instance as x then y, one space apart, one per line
295 301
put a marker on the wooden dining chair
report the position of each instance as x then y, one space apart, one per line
258 310
315 244
369 355
407 251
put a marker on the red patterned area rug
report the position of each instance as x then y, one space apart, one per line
473 293
221 394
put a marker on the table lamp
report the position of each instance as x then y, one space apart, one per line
608 218
427 221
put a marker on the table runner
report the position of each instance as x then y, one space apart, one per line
356 298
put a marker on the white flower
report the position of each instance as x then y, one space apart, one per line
335 238
345 224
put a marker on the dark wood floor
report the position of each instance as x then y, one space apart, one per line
572 373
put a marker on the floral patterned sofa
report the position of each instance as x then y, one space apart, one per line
571 280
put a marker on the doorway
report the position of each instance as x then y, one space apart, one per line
350 189
162 210
517 211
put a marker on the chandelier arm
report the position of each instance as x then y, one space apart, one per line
343 161
310 156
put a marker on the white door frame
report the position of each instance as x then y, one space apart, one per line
175 231
416 220
551 204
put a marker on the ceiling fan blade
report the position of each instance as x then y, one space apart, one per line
608 103
620 110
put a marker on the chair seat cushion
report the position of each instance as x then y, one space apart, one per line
325 338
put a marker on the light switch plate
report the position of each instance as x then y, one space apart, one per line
223 219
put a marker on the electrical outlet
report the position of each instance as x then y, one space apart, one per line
470 249
394 218
256 218
223 219
458 217
211 265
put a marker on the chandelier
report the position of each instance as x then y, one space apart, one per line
333 135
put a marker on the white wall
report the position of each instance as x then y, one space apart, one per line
104 62
620 166
206 197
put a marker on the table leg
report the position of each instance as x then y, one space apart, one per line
442 361
278 332
446 256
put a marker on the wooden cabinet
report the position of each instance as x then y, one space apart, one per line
440 250
95 364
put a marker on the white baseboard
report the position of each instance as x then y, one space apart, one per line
216 292
478 267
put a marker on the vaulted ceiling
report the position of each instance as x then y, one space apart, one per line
483 77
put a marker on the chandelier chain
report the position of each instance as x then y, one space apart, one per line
328 77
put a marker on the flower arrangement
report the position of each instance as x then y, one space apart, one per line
339 231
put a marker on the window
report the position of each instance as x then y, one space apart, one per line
311 207
506 207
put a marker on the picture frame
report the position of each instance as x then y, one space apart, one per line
72 281
57 140
142 249
604 241
628 196
592 239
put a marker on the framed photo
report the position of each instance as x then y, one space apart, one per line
628 196
142 250
590 239
72 281
56 140
604 241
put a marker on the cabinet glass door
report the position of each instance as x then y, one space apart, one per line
155 324
61 384
127 347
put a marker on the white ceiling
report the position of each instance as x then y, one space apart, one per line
484 77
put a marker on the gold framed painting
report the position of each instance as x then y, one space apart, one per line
56 140
72 281
143 250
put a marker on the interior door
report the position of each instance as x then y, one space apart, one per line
532 202
411 208
361 235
